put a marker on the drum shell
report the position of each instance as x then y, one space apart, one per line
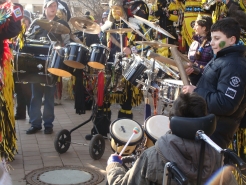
76 55
98 56
170 89
158 124
35 68
56 65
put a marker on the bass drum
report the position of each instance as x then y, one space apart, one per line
120 131
155 127
32 67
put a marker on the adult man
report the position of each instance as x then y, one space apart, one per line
223 83
50 10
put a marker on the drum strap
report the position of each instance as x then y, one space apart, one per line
126 111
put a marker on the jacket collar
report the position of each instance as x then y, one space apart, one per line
241 49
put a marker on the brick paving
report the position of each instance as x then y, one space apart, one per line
37 150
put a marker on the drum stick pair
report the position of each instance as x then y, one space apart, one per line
169 61
135 131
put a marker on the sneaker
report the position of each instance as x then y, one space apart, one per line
88 137
48 130
32 130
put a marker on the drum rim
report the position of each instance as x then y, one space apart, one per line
77 44
100 45
145 129
117 141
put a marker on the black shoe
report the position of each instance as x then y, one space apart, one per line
48 130
88 137
32 130
18 117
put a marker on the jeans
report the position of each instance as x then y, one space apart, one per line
35 107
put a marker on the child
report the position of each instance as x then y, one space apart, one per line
223 82
149 168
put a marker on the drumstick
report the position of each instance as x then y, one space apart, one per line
135 131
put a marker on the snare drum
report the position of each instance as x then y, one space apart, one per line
32 67
135 71
56 65
76 55
155 127
170 89
98 56
120 131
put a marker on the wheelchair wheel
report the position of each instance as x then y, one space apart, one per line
97 147
62 141
128 161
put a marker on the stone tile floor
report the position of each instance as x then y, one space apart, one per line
37 150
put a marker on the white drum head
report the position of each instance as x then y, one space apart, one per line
156 126
122 129
172 81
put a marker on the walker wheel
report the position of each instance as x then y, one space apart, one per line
97 147
62 141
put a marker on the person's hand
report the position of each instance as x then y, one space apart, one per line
188 89
127 50
189 70
114 158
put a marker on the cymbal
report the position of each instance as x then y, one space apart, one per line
155 26
134 29
119 30
85 25
155 44
53 26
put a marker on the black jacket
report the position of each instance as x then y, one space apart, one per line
40 32
223 86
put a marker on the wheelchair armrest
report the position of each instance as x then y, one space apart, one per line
187 127
231 156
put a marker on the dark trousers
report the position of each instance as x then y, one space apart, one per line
24 94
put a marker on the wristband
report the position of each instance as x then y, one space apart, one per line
114 159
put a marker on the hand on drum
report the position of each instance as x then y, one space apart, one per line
114 158
188 89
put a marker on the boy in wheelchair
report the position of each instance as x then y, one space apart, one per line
149 167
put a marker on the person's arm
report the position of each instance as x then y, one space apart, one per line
116 174
226 97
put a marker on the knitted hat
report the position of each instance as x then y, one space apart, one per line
27 15
47 3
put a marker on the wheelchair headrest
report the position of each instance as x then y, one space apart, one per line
187 127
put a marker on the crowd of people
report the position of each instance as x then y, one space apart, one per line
213 38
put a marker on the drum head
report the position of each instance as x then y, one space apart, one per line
122 129
156 126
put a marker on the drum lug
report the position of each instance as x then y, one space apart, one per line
40 66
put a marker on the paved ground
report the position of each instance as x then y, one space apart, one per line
37 150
